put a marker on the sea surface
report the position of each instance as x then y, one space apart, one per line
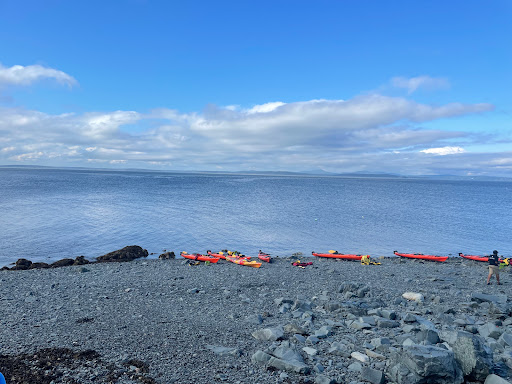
49 214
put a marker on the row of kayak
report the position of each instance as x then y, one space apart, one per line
246 260
223 255
232 257
343 256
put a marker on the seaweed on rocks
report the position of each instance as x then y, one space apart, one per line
63 365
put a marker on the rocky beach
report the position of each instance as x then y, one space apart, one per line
165 321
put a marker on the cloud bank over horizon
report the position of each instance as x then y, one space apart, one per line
369 132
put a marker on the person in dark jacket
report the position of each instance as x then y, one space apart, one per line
494 267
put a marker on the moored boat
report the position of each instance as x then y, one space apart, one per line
198 257
421 256
243 261
343 256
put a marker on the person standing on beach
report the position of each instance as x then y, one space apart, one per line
494 268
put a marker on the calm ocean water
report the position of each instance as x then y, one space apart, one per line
48 214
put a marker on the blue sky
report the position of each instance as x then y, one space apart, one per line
340 86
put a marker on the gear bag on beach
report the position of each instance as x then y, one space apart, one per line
365 260
301 265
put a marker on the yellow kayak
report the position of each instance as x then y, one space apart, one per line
243 261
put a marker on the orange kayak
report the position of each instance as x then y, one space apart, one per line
243 261
222 255
198 256
264 257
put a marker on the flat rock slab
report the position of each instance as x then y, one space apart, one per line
483 297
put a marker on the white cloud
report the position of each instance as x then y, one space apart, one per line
371 132
20 75
321 122
443 151
28 156
101 125
502 161
265 108
414 83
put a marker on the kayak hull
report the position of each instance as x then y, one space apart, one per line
264 257
342 256
421 256
477 258
218 255
199 257
243 261
223 255
474 257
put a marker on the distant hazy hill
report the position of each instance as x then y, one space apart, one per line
319 172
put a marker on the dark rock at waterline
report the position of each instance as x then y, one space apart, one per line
81 260
24 264
128 253
40 265
21 264
167 256
62 263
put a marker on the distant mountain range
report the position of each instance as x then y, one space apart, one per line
322 173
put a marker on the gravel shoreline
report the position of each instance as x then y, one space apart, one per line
170 315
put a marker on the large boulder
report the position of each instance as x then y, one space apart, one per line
167 256
22 264
495 379
39 265
62 263
483 297
284 357
81 260
473 355
128 253
269 334
419 364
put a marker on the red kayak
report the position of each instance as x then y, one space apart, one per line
476 258
343 256
199 257
473 257
421 256
264 257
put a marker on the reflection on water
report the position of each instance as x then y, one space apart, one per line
50 214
